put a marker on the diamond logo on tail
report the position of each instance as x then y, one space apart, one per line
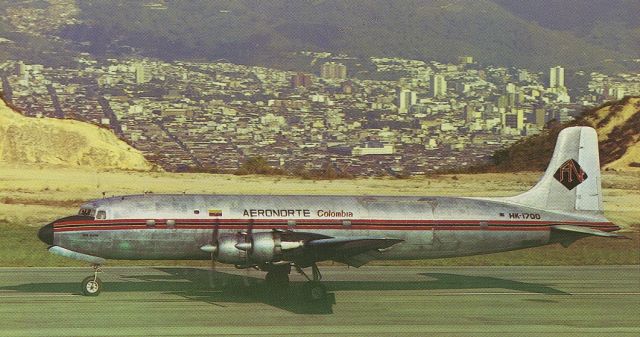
570 174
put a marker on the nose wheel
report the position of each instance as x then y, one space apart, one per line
92 285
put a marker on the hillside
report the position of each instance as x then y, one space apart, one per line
618 127
69 143
612 24
249 31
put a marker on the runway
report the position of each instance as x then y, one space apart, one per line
369 301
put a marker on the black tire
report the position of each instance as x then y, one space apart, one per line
91 286
314 291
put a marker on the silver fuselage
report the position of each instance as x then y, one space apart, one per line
176 226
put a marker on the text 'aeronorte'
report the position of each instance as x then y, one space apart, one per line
291 213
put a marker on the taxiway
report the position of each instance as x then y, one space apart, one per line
369 301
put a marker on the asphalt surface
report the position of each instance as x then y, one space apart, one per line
369 301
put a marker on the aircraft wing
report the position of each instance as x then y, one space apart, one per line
354 251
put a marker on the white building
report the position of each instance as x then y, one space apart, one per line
438 86
373 148
142 75
406 98
333 71
556 77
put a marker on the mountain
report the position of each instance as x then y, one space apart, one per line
257 31
66 143
612 24
617 124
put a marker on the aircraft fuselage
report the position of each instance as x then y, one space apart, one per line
177 226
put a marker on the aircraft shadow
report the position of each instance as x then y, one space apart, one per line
217 287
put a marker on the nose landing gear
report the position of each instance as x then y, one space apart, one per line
92 285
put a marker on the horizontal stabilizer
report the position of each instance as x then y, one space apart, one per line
567 234
585 231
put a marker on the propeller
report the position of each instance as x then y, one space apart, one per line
247 241
213 249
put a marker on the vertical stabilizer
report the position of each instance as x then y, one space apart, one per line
572 179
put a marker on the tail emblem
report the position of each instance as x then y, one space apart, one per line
570 174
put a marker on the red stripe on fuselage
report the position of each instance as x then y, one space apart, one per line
213 222
416 228
320 224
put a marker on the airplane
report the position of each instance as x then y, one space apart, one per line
275 233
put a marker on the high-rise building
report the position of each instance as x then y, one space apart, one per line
333 71
21 69
142 75
301 80
470 113
539 117
438 86
465 59
406 98
556 77
514 119
523 75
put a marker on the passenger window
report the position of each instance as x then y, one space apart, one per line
101 215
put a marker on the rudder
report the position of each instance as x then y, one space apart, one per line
572 179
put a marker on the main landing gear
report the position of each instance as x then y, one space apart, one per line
92 285
313 289
278 278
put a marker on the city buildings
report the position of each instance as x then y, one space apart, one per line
333 71
214 116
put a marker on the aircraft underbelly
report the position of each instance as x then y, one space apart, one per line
186 243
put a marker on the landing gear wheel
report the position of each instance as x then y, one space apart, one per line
277 279
91 286
314 291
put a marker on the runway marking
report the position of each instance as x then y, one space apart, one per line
38 295
528 293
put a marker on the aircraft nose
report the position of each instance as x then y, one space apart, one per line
45 234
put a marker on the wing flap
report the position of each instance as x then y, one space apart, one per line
354 251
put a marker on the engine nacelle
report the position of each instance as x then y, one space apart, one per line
226 251
256 248
265 247
248 249
271 247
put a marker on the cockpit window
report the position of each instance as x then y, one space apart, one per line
101 215
87 212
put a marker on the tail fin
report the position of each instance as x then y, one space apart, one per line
572 179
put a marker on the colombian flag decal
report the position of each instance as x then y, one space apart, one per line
215 212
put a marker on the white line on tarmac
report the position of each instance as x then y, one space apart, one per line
37 295
528 293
